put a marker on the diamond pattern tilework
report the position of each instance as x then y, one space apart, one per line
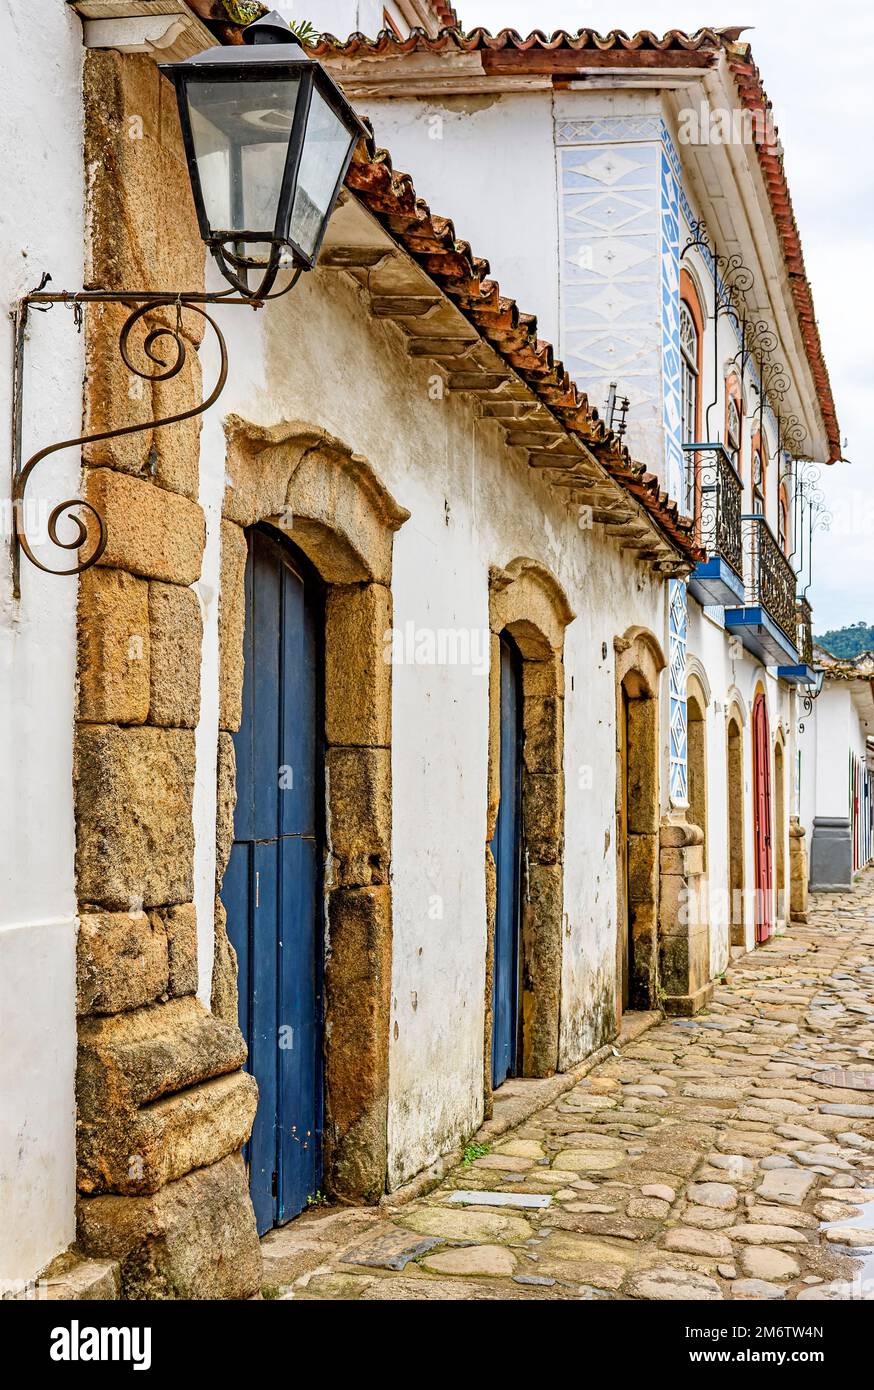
678 778
621 208
610 248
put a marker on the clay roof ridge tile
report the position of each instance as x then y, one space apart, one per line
480 37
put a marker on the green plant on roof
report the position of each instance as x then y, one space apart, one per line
247 11
306 32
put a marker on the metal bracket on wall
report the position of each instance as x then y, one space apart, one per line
141 303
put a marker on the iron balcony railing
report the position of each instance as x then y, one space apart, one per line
805 631
713 496
769 578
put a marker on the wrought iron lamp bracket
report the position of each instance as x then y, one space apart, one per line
157 369
811 693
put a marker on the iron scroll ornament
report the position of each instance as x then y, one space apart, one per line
145 302
64 510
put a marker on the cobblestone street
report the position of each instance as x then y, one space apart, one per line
729 1156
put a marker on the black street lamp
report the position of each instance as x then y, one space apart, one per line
268 136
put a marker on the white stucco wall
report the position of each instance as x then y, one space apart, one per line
338 17
832 731
836 727
834 735
41 229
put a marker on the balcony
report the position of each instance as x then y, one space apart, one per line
767 623
717 490
802 673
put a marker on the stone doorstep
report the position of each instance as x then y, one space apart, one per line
72 1277
685 1005
313 1239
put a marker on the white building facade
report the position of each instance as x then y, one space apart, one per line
836 771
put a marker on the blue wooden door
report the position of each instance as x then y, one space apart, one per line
272 887
507 852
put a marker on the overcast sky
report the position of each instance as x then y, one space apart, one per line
816 64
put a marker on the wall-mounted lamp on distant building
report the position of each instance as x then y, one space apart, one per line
268 137
809 693
815 687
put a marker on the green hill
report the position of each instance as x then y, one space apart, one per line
848 641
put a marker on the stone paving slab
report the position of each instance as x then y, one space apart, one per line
729 1156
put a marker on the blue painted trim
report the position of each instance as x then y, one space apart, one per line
678 620
797 675
760 635
714 582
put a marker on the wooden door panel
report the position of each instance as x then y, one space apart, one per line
763 812
272 887
507 850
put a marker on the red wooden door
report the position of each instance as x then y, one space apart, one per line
762 804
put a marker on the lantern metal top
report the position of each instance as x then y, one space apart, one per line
271 31
270 52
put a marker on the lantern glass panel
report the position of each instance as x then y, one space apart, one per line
325 148
241 132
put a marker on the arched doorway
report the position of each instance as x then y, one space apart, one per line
735 818
762 811
524 863
310 487
507 854
696 754
782 897
639 662
272 886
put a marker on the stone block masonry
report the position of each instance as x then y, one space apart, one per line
163 1106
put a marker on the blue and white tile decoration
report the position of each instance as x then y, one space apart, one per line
678 775
623 211
609 285
616 134
670 316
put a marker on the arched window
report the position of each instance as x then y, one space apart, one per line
783 523
758 483
732 430
689 348
689 373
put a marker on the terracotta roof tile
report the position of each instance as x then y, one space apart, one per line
481 40
445 13
753 97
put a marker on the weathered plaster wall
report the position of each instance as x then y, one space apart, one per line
338 17
41 229
610 318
